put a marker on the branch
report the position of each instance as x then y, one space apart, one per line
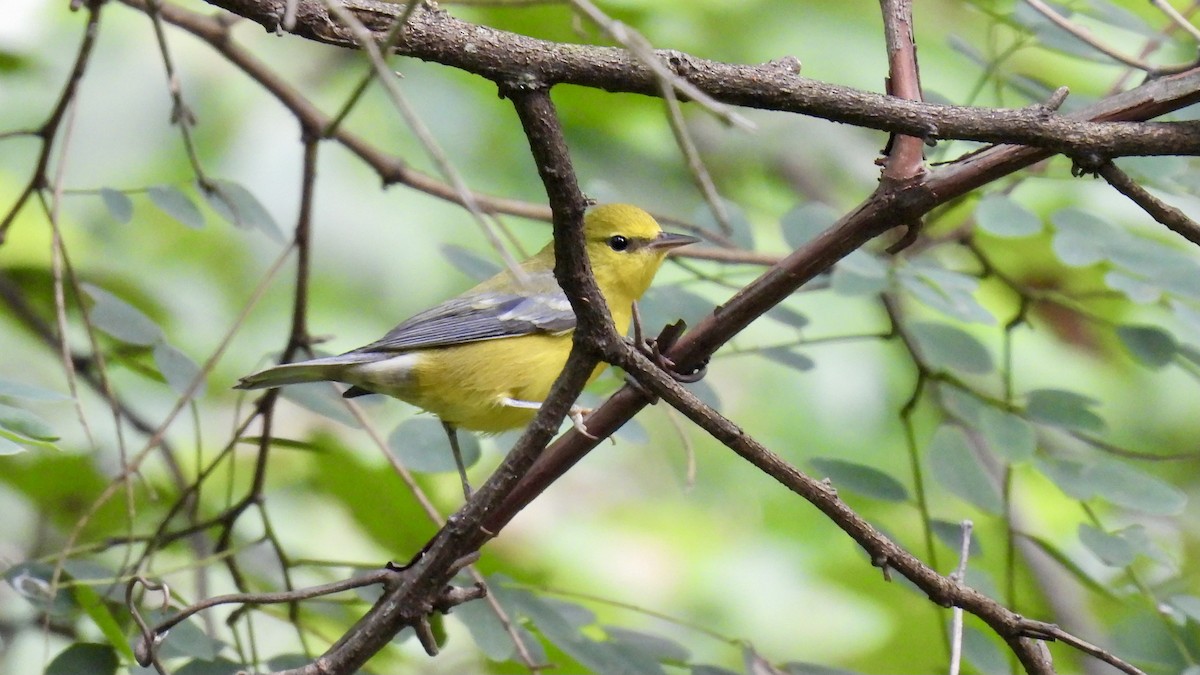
501 56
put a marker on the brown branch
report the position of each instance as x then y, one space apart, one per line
905 154
1159 210
502 56
49 129
411 597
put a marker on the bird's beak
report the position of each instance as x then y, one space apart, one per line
670 240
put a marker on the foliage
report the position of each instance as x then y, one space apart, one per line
1031 362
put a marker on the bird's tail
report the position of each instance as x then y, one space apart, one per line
314 370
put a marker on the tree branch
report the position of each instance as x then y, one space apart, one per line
435 36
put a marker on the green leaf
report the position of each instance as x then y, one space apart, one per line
287 661
1187 605
29 392
119 206
950 534
24 423
805 221
103 617
486 629
945 291
1070 566
788 316
1111 549
947 348
1136 289
789 358
10 447
1121 484
186 638
173 202
1152 346
84 657
1069 476
1080 237
958 469
803 668
31 580
704 391
662 305
241 208
654 646
742 232
1063 409
1007 435
962 405
861 479
321 398
421 444
178 370
1002 216
860 273
469 262
982 652
120 319
210 667
701 669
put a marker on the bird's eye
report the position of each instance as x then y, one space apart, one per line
618 243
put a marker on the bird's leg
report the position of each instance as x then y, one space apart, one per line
576 414
452 434
655 349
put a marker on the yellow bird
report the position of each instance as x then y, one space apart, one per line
485 360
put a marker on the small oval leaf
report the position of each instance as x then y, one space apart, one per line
486 630
1063 409
120 319
1111 549
948 348
1152 346
1007 435
422 445
864 480
29 392
1121 484
469 262
85 657
177 369
118 204
805 221
786 356
1002 216
24 423
241 208
958 469
173 202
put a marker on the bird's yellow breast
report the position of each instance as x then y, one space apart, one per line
466 384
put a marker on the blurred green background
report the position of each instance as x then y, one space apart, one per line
738 564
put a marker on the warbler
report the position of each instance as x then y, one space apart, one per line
486 359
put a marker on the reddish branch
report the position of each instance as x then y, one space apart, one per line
526 69
500 56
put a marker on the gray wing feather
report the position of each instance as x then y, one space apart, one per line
482 316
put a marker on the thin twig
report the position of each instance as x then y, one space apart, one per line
1086 36
1176 18
956 620
1176 220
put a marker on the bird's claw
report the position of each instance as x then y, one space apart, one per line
655 349
577 414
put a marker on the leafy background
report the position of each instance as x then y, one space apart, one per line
1068 438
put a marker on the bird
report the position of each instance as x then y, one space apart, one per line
485 360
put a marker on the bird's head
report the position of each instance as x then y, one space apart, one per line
626 246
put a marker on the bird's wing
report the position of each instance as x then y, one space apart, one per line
483 315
